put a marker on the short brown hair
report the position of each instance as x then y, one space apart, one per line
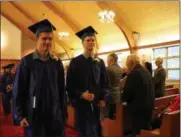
114 56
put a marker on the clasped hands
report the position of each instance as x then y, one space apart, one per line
90 97
8 88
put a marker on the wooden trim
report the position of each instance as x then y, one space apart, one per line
10 60
121 24
173 68
158 44
61 43
53 7
22 11
109 52
127 49
129 44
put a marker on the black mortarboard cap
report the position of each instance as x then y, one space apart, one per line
88 31
9 66
42 26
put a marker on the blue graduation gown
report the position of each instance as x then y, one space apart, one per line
6 80
45 82
82 75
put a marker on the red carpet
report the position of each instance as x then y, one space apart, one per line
8 130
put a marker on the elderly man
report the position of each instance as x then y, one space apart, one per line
114 75
159 78
139 94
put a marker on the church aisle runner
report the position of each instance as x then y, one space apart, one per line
8 130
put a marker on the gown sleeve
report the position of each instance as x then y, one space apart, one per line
73 93
19 92
61 85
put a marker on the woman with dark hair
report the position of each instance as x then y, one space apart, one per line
6 88
148 66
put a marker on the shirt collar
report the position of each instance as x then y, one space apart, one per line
87 56
36 55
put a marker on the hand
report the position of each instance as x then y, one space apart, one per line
24 123
102 103
88 96
8 88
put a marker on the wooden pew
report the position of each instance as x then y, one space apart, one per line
122 123
162 103
71 117
170 127
168 86
113 128
171 91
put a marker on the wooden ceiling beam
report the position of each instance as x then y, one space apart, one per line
120 23
71 23
56 10
61 43
19 26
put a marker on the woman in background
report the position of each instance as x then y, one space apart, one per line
6 87
148 66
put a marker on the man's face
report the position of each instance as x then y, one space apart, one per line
44 41
158 63
13 71
109 60
129 64
89 43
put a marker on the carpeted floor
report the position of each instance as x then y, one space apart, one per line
8 130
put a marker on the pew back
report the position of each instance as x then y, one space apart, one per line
171 91
163 102
168 86
171 124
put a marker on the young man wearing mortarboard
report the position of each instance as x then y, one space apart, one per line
87 83
6 83
38 91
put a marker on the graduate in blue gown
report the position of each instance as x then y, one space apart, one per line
87 84
38 91
6 88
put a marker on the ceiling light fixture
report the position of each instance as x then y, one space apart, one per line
63 35
136 35
106 16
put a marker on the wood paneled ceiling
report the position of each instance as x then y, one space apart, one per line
73 16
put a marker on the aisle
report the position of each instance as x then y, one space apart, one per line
8 130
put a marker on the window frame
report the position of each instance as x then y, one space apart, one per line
166 58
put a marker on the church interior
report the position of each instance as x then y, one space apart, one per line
149 29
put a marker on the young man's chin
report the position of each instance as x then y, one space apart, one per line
46 51
91 49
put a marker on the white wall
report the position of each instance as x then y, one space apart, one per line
164 35
10 40
28 45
